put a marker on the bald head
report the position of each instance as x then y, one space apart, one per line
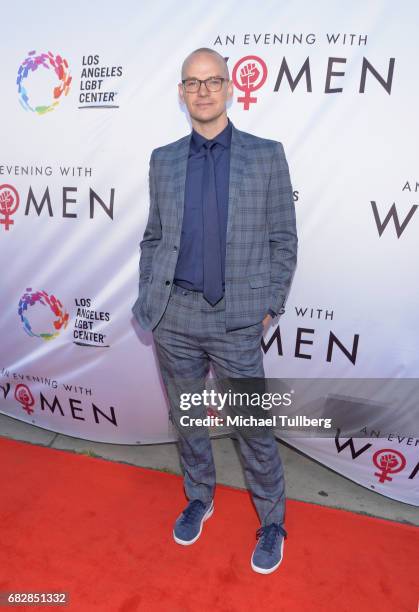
201 52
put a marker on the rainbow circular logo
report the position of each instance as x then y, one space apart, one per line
58 81
57 311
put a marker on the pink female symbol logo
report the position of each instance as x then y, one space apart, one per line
9 203
24 397
389 461
253 74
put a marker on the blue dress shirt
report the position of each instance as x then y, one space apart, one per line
189 272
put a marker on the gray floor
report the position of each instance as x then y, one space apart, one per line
306 480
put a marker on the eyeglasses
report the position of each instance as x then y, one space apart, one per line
212 84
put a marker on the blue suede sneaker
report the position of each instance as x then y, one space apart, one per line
269 550
188 525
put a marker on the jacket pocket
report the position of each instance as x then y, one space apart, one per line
260 280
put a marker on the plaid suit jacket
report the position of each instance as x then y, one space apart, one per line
261 248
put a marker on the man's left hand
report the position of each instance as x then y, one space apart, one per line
266 321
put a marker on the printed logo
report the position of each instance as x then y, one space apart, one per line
389 461
88 324
53 400
33 299
24 396
9 203
41 201
60 86
252 75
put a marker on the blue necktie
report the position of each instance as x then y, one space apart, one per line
213 283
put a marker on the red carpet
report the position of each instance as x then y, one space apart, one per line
102 531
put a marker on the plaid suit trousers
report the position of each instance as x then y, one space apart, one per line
191 336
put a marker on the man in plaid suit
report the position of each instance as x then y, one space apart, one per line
217 259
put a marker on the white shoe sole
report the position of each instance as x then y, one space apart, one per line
206 516
262 570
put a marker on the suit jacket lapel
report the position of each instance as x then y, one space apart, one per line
180 164
237 164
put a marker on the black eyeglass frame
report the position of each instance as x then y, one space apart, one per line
222 79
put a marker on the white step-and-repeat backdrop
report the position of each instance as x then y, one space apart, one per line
90 88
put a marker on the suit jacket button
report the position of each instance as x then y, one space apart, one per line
167 282
175 248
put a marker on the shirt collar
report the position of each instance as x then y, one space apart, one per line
223 138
